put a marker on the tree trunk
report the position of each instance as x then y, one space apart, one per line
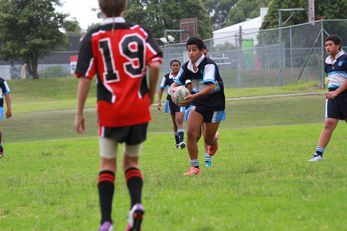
32 64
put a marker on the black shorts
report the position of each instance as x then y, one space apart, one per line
210 116
336 108
131 135
173 108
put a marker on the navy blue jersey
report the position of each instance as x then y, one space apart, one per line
206 73
336 69
166 82
4 90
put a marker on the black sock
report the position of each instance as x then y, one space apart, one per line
106 190
181 136
177 138
134 181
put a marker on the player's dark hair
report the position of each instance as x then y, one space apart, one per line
113 8
195 41
175 61
335 39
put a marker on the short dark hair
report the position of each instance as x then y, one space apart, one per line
195 41
335 39
113 8
175 61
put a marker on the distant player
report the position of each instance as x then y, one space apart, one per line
118 53
208 103
177 112
4 93
336 103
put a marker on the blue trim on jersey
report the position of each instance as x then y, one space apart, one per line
210 81
1 113
338 73
178 81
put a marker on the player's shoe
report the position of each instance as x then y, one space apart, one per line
106 226
1 152
316 157
135 218
182 145
208 163
192 171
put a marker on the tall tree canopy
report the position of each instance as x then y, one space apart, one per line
159 15
244 9
323 9
31 29
218 11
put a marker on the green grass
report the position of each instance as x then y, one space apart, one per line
261 180
59 93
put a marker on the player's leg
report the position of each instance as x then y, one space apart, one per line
172 111
211 137
332 116
179 117
1 147
108 151
134 181
193 135
133 175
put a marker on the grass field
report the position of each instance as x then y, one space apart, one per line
260 180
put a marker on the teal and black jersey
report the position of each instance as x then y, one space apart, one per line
336 70
4 90
166 82
206 73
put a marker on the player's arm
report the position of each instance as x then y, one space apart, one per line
154 70
82 93
332 94
160 95
343 87
207 90
8 105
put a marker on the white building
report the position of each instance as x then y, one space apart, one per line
250 28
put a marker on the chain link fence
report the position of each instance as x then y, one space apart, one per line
269 57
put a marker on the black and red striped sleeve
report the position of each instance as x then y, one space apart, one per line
86 63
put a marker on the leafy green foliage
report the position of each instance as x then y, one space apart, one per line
244 9
323 9
30 30
159 15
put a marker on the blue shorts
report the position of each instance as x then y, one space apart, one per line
172 108
1 113
209 116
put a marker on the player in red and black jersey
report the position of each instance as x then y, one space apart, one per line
119 54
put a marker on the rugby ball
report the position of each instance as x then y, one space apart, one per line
178 94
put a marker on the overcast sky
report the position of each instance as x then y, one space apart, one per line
81 10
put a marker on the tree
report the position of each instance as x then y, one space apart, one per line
323 9
159 15
29 30
218 11
244 9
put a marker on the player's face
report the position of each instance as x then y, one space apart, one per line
331 48
175 67
189 86
194 53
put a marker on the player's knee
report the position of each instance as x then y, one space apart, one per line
108 164
330 125
179 122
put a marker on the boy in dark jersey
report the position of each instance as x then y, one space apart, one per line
118 53
4 93
208 103
177 112
336 98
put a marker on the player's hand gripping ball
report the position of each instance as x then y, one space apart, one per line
178 94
